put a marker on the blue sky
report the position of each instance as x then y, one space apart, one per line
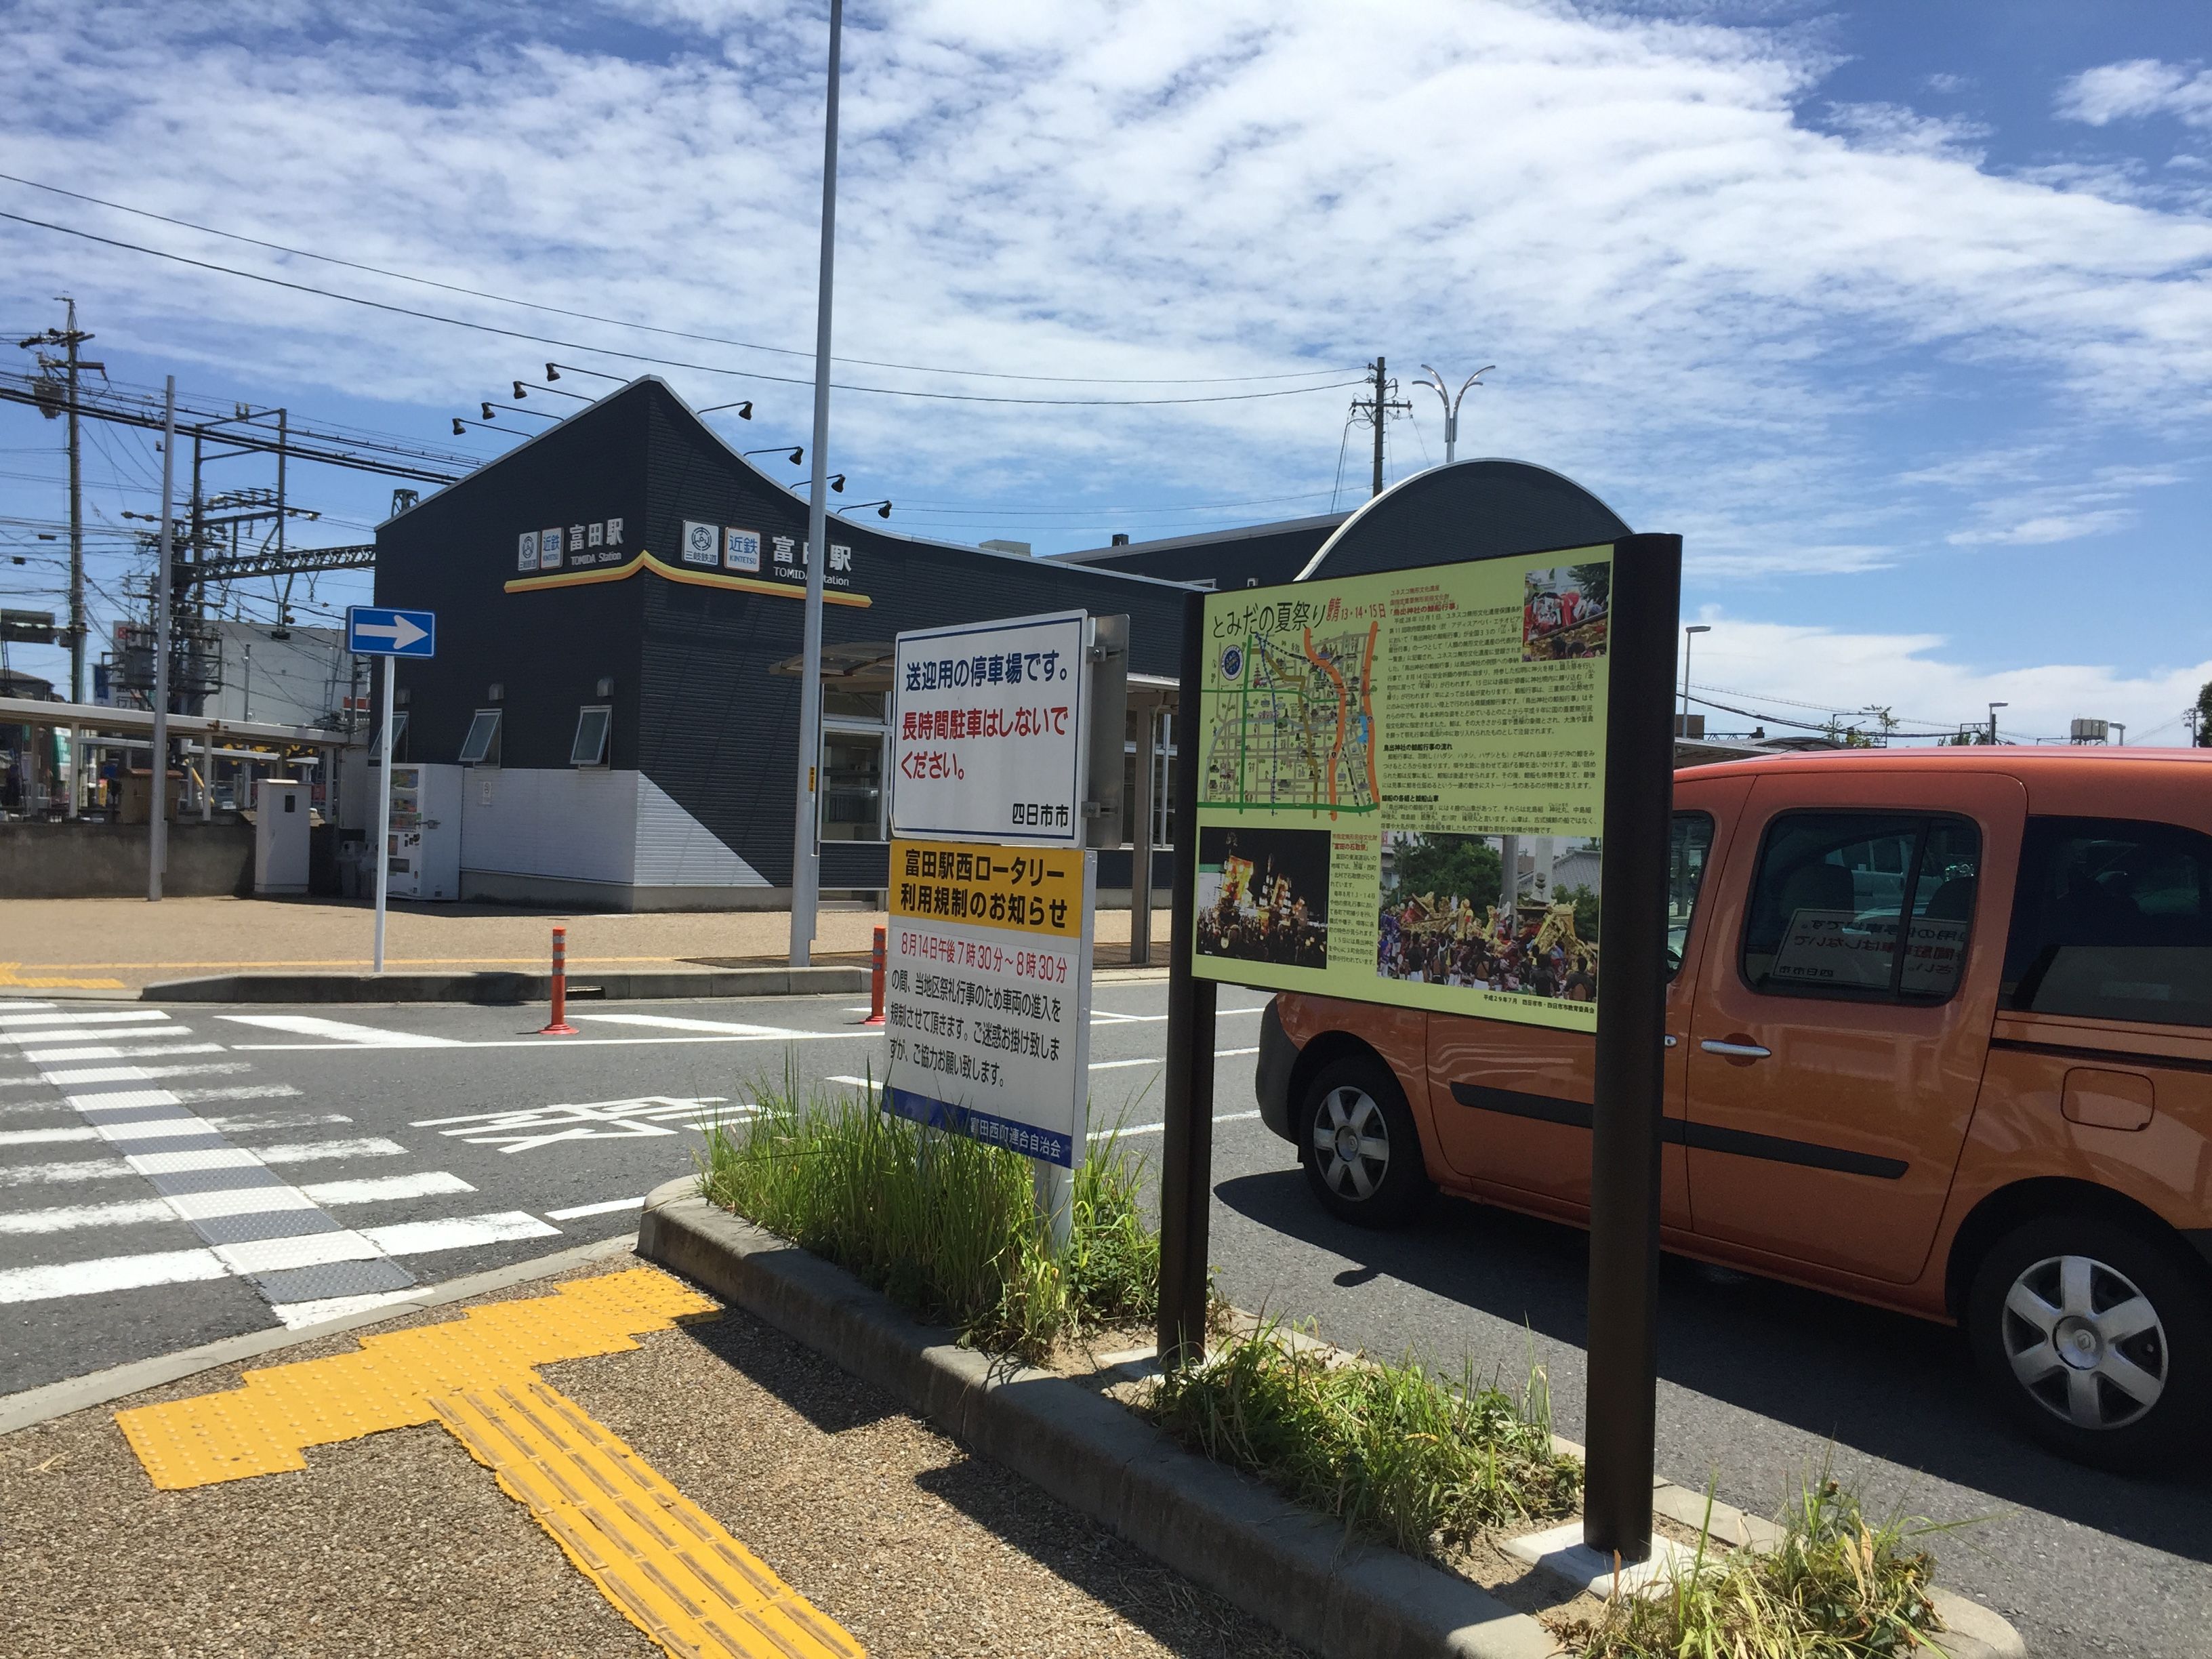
1900 313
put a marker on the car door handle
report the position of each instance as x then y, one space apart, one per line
1735 1050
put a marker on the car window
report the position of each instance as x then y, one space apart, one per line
1874 905
1689 848
2113 921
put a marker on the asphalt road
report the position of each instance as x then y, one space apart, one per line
460 1139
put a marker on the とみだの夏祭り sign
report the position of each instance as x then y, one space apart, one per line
989 727
987 993
1401 787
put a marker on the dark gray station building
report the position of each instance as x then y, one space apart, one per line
619 604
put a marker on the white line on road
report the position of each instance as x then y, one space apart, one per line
856 1082
296 1314
1154 1128
674 1023
68 1217
547 1045
277 1255
576 1212
457 1232
315 1151
38 1137
114 1272
377 1189
234 1126
340 1031
1160 1059
44 1056
137 1073
133 1017
25 1174
139 1027
211 1158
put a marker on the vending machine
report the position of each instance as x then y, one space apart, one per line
425 850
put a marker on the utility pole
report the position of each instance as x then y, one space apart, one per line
805 854
1377 407
70 337
157 837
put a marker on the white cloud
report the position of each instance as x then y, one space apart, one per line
2035 516
1921 679
2139 87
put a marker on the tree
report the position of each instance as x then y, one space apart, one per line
2204 716
1587 909
1463 866
1597 580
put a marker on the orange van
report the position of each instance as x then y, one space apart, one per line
1939 1037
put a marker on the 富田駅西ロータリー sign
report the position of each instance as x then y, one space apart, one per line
988 729
1401 787
987 993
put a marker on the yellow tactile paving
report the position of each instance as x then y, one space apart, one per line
664 1562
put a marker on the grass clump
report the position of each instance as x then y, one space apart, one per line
945 1226
1836 1586
1391 1450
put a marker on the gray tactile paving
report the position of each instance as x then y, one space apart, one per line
215 1181
333 1279
265 1224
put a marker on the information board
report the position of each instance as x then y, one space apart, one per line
988 729
987 993
1401 787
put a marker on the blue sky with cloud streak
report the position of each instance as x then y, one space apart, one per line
1902 314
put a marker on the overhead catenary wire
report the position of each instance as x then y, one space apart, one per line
648 358
654 328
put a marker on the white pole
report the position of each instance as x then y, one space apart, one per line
157 839
805 857
384 818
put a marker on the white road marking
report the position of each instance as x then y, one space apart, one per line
45 1056
237 1126
88 1016
274 1255
674 1023
25 1174
375 1189
296 1314
1154 1128
143 1073
68 1217
211 1158
522 1130
314 1150
457 1232
37 1137
545 1044
173 1129
240 1091
857 1082
1107 1017
239 1200
1161 1060
340 1031
578 1210
114 1272
121 1100
140 1029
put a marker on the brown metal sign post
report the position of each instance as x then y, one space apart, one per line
1187 1157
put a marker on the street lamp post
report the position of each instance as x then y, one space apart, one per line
1689 632
805 854
1451 404
1993 718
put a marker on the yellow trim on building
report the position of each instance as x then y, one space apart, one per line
645 561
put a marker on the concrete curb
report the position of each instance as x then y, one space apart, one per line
1272 1559
34 1406
510 987
1219 1527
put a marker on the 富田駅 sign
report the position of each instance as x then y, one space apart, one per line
987 996
1401 787
988 729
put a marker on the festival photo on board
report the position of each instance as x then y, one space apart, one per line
1263 895
1450 918
1564 611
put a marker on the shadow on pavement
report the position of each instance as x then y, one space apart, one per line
1893 1387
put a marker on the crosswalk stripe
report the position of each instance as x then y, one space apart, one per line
237 1200
38 1137
48 1056
457 1232
243 1126
114 1272
134 1026
341 1030
675 1022
26 1175
375 1189
315 1151
133 1017
210 1157
71 1218
254 1200
576 1212
271 1255
144 1073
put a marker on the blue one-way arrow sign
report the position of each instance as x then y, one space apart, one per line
375 630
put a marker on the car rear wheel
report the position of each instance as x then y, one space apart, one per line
1356 1140
2096 1340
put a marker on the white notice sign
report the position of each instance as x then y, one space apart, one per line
986 993
988 727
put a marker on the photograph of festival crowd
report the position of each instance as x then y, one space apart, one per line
1564 612
1263 895
1446 917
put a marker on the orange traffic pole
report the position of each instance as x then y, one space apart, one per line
559 1026
876 984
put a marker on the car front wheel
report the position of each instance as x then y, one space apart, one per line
1356 1140
2098 1341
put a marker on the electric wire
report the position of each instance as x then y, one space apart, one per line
672 333
647 357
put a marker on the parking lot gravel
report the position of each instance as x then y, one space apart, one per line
400 1544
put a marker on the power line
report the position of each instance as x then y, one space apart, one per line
647 357
650 328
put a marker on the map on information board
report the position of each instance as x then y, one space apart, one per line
1401 787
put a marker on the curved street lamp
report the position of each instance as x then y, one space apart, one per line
1451 402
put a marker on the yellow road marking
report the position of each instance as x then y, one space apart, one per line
49 983
666 1564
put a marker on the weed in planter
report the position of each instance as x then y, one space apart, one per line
1835 1587
945 1226
1389 1448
